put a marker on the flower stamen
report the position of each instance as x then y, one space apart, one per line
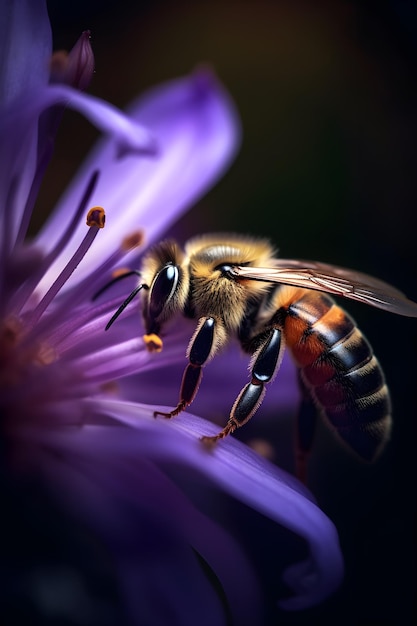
75 260
17 303
153 342
16 356
96 217
133 240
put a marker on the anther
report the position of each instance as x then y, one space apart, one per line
122 271
133 240
153 342
96 217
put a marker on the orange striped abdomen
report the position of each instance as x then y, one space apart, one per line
339 370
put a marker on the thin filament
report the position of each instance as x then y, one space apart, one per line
22 296
63 276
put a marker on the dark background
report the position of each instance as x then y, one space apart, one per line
327 96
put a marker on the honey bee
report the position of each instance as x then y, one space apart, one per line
235 286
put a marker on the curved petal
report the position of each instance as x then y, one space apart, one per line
19 124
151 527
24 26
25 50
196 130
239 471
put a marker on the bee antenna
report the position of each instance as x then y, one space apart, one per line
123 305
115 280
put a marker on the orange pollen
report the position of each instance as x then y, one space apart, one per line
120 272
134 240
96 217
263 448
153 342
110 388
59 62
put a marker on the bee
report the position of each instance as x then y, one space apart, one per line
236 286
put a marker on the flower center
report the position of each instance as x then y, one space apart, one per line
24 387
17 356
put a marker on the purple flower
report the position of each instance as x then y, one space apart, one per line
72 397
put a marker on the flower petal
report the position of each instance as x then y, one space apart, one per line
196 130
149 524
24 26
19 124
223 379
239 471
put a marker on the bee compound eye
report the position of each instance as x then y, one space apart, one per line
226 269
162 289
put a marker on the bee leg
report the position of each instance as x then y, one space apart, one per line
201 348
306 422
265 363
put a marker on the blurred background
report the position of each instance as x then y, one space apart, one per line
326 92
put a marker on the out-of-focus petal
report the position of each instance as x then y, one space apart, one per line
197 133
217 391
20 123
150 525
24 26
237 470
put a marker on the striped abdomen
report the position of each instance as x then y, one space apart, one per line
339 370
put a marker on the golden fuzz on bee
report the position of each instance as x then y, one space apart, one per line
236 286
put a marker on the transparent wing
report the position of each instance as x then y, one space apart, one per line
338 281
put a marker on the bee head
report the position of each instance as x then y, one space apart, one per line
167 284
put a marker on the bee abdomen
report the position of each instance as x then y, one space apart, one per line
340 371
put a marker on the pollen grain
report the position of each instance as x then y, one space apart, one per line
153 342
96 217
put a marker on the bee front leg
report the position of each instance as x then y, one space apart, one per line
265 364
200 350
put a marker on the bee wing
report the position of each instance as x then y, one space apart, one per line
338 281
